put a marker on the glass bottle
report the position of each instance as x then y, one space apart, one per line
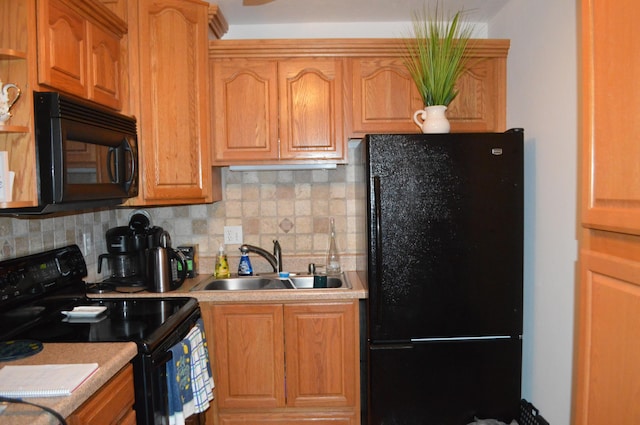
333 258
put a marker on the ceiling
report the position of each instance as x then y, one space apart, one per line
301 11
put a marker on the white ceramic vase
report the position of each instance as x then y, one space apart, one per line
432 119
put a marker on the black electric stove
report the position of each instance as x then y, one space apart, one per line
37 290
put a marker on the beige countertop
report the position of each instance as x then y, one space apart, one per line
358 291
111 357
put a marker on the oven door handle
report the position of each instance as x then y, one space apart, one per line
162 359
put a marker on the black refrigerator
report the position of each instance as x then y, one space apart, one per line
444 270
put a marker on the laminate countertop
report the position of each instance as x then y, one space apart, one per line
111 358
358 290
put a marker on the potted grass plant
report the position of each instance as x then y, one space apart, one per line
434 56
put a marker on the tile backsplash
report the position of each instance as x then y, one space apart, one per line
291 206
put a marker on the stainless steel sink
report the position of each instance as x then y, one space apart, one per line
253 283
239 284
306 282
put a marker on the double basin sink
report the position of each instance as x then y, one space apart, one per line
273 281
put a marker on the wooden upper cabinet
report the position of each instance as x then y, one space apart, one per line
384 97
104 84
173 91
244 100
311 108
62 58
272 110
79 50
312 95
610 170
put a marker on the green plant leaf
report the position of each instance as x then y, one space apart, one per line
434 54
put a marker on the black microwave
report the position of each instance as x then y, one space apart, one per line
87 155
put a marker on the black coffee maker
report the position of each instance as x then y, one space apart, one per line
127 247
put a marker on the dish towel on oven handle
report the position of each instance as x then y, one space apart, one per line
201 377
179 385
189 378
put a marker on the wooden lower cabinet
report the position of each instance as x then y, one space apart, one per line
112 404
287 419
285 363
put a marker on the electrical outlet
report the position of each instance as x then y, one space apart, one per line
232 235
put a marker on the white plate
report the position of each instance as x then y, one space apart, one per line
85 311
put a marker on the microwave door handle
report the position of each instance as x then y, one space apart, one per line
132 160
111 164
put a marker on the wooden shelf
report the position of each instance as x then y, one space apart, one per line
14 129
12 54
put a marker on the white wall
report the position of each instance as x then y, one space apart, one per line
332 30
542 98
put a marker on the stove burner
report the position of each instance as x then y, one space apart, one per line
100 288
106 287
24 313
18 349
52 332
128 328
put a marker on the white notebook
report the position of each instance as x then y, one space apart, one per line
51 380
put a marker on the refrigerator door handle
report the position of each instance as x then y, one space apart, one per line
461 338
378 241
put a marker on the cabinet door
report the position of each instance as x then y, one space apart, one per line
104 65
321 354
249 357
245 108
481 102
62 45
608 348
311 108
610 171
174 121
384 97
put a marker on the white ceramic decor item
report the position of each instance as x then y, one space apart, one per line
432 119
7 100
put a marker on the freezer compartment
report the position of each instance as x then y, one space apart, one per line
444 383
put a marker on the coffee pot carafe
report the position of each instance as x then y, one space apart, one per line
166 267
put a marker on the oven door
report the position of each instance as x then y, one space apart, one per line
150 378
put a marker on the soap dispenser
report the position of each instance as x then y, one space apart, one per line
244 268
222 264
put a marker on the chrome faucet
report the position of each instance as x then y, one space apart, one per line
274 259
